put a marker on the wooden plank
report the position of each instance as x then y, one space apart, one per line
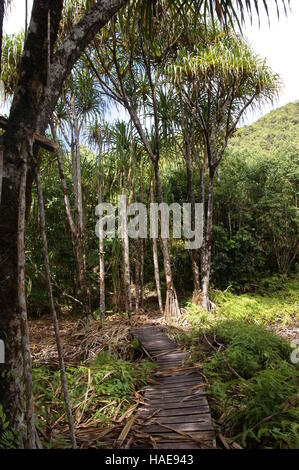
181 383
171 360
172 386
174 391
166 405
176 437
158 345
39 139
181 427
174 394
161 352
161 344
175 355
179 370
180 402
175 411
179 445
181 377
191 418
169 357
168 365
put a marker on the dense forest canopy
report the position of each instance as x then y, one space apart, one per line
185 78
255 199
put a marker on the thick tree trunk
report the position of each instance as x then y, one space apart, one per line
13 313
17 151
53 310
101 234
31 111
207 248
1 167
156 260
172 308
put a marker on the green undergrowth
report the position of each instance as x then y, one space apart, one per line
8 439
253 386
274 302
99 394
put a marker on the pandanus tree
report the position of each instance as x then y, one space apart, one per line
45 65
80 107
176 120
126 70
4 5
219 82
121 144
97 135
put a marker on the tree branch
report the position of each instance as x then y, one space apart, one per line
71 49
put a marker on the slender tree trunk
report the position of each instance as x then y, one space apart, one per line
53 310
74 171
31 433
156 260
206 259
141 287
191 200
126 256
101 233
74 231
67 205
203 201
79 210
172 308
66 199
137 275
2 11
137 246
26 18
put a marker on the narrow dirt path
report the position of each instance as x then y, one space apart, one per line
176 413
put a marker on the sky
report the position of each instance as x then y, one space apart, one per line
278 44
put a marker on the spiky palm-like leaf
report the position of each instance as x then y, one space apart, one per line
229 61
4 5
220 81
12 49
227 12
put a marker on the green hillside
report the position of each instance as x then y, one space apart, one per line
277 129
256 221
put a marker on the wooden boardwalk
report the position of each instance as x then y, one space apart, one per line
175 412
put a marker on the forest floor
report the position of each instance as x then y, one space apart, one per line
243 351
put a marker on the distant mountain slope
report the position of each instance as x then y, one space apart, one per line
275 130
